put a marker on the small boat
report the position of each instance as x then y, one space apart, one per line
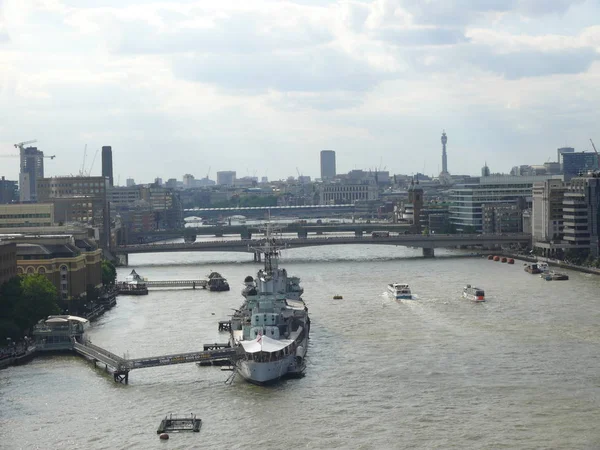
399 290
496 258
543 266
532 269
337 297
511 261
216 283
504 260
490 257
556 276
474 293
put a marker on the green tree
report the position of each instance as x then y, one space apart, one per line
10 293
109 273
38 299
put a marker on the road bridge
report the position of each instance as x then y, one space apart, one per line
247 231
272 211
427 242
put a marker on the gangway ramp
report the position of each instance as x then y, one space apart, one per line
182 358
99 354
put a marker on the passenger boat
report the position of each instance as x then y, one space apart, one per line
532 269
399 290
490 257
549 276
504 260
474 293
216 283
543 266
511 261
496 258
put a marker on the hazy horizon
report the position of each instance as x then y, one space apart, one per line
262 87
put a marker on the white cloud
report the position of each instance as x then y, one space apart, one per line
223 84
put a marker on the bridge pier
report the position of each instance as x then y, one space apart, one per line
358 233
428 252
121 377
257 256
302 234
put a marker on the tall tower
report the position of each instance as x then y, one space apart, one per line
327 164
444 156
107 165
32 169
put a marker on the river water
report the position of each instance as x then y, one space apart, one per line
520 371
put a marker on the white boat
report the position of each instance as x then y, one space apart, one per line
399 290
543 266
474 293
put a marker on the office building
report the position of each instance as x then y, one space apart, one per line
343 194
327 165
561 151
107 164
575 164
547 210
8 261
118 196
503 217
226 178
32 169
130 182
8 191
581 214
26 215
189 181
467 200
79 199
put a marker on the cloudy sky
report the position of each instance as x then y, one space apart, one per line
261 86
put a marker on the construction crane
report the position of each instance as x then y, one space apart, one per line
597 155
93 161
20 145
82 170
14 155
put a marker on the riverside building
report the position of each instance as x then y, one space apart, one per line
468 200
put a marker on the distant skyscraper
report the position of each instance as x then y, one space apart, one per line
8 191
579 162
327 164
130 182
107 164
226 178
561 151
485 171
32 168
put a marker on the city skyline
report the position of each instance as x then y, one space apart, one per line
262 88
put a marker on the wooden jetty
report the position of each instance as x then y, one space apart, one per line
179 423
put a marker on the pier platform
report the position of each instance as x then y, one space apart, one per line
179 423
178 283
